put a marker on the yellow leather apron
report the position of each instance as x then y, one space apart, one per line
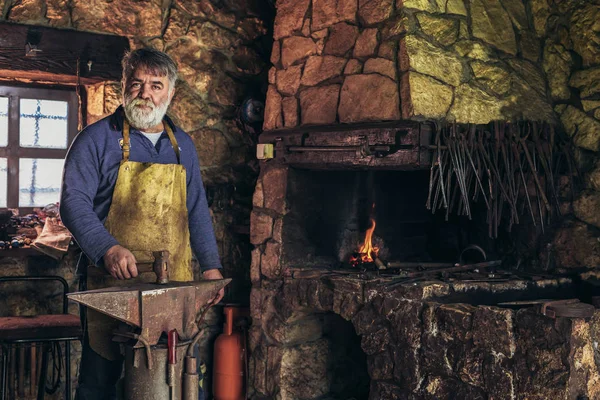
148 213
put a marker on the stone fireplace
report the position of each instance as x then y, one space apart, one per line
357 92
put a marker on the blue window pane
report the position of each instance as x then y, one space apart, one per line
39 181
43 123
3 182
3 122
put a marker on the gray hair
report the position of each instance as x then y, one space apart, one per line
154 61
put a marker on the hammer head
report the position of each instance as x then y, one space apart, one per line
161 266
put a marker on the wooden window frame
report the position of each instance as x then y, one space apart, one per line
13 152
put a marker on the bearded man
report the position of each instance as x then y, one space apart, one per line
132 184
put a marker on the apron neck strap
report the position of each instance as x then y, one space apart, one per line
127 147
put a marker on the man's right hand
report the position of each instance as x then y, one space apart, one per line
120 263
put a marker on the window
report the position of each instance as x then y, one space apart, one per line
36 129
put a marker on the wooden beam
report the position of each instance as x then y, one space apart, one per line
45 77
53 53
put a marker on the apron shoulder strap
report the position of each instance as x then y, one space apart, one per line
126 141
125 147
173 141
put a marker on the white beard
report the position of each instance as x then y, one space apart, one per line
142 119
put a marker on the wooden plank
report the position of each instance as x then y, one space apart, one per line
57 52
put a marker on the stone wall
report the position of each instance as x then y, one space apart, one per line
351 61
571 61
221 48
418 347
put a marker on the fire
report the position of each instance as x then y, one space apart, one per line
367 252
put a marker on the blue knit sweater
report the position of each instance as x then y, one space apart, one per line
89 178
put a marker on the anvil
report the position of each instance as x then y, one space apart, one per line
154 308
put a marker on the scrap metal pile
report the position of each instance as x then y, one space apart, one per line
512 167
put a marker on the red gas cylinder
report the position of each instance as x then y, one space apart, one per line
230 360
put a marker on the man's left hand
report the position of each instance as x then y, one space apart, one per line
214 274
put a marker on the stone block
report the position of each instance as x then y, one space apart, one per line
444 387
530 73
472 105
318 104
123 17
576 245
381 366
369 98
273 114
589 105
586 207
212 147
261 227
456 7
306 27
587 81
308 328
374 11
258 198
530 46
366 44
385 390
493 330
321 68
474 50
304 373
272 76
416 54
353 67
290 14
288 80
187 109
326 12
516 12
290 111
277 230
276 52
423 5
443 30
375 342
387 50
541 363
255 266
250 29
295 49
423 96
396 27
527 103
275 186
557 66
492 24
585 26
341 39
584 129
492 76
56 12
381 66
540 11
270 261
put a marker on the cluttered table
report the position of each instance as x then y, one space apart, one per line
35 234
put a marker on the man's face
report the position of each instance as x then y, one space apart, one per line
146 97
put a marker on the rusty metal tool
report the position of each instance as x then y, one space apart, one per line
567 308
172 346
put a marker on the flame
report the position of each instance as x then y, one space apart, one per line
367 252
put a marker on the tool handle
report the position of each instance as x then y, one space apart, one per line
172 345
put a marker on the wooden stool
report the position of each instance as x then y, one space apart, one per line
44 329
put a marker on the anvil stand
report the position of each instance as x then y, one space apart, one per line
148 310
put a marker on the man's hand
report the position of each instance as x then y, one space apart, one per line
214 274
120 263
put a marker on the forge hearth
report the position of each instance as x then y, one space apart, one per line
445 336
